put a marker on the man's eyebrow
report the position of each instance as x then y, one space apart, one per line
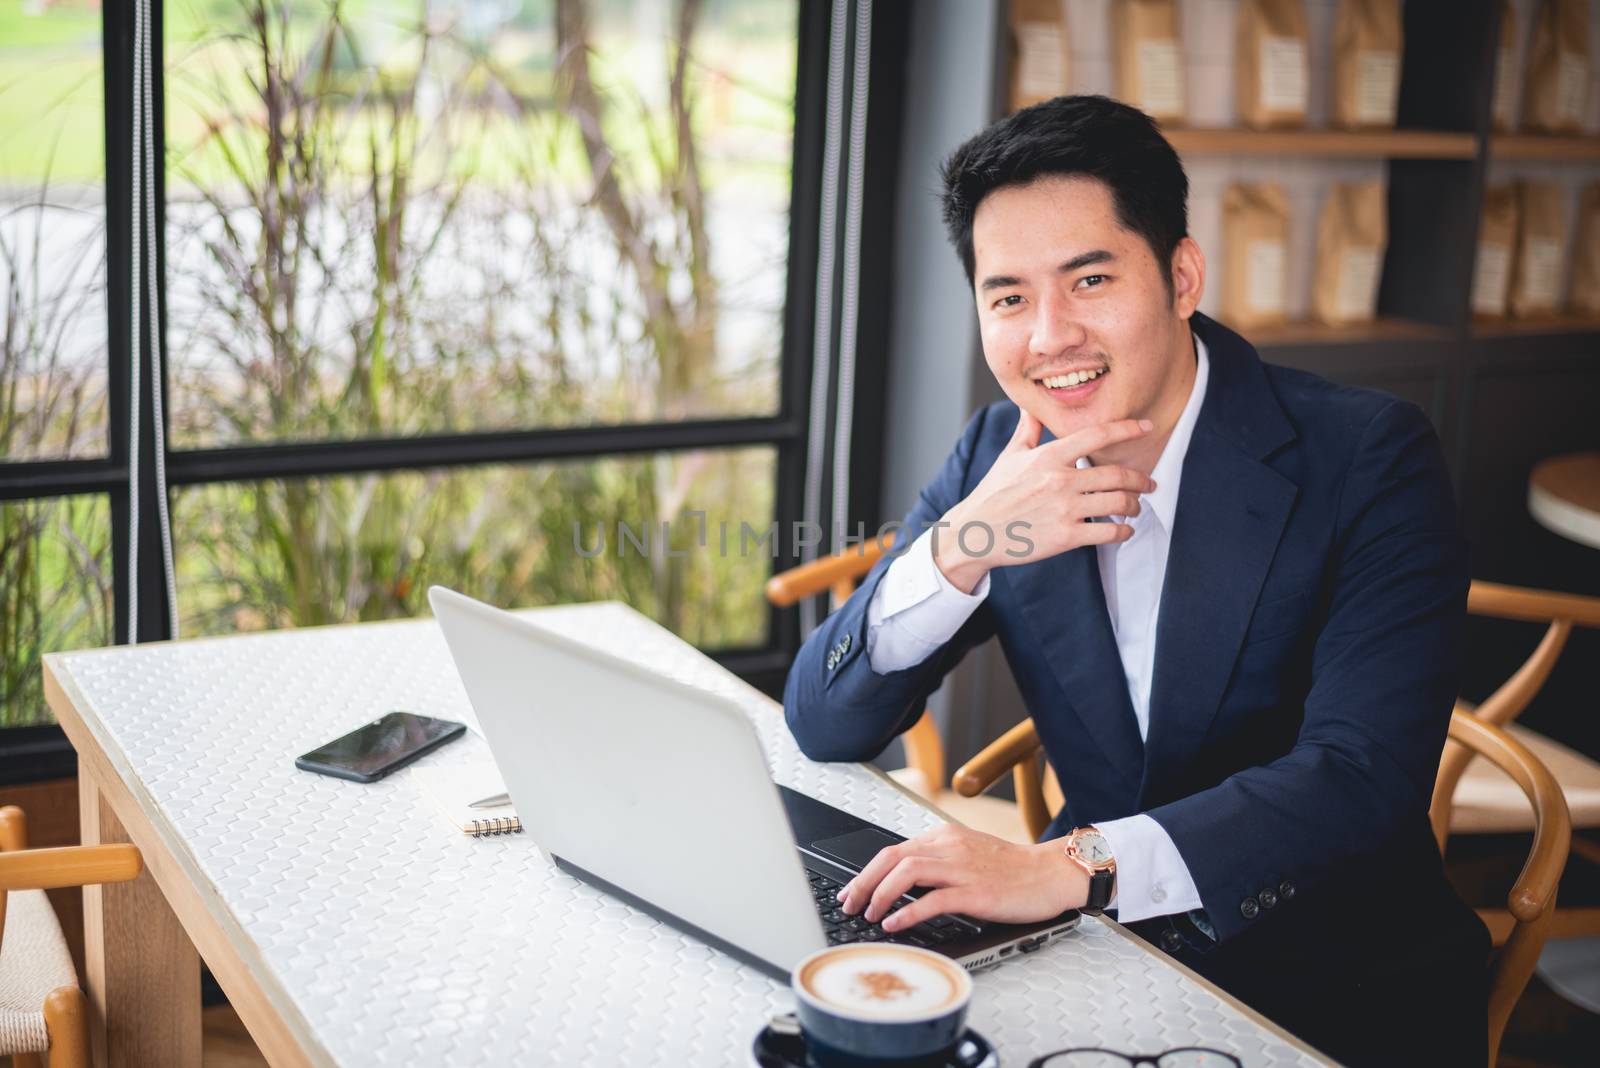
1078 262
1087 259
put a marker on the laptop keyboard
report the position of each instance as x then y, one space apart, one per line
841 927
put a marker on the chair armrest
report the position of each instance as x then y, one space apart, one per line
50 869
1534 892
999 756
1536 606
787 587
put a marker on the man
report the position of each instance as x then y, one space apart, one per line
1232 596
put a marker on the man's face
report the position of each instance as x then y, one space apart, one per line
1063 289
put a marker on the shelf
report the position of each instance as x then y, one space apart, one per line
1356 144
1554 324
1313 333
1544 146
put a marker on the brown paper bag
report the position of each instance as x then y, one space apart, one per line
1039 52
1585 298
1503 110
1149 57
1540 263
1255 235
1351 234
1270 62
1497 239
1558 69
1367 45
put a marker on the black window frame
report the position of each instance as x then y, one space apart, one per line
38 753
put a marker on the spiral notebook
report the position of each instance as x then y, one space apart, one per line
453 789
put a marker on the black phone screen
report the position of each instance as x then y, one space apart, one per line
372 751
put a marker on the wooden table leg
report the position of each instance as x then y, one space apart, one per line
141 972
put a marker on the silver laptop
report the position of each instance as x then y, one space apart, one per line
659 794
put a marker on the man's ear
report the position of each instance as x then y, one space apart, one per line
1188 277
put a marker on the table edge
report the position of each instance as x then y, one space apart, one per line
284 1034
1560 516
1253 1015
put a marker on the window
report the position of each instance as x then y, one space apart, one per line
448 290
55 565
391 219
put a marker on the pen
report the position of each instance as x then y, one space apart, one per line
492 801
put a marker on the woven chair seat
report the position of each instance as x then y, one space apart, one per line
1487 801
35 961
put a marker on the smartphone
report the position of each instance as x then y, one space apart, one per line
385 745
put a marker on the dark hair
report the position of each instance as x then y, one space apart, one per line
1084 136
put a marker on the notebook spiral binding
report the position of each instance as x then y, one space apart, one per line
498 825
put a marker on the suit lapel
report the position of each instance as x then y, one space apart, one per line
1066 610
1232 509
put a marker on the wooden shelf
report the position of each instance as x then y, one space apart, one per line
1357 144
1313 333
1544 146
1554 324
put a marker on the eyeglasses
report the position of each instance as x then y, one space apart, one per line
1183 1057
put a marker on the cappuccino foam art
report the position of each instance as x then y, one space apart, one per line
884 983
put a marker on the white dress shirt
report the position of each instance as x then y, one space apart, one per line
915 610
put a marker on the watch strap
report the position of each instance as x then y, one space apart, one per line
1100 886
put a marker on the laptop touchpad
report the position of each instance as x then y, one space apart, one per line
856 849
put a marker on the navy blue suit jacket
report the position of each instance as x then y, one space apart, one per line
1307 654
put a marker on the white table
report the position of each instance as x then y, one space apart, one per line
349 924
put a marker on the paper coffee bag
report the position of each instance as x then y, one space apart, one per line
1497 238
1351 234
1039 51
1540 263
1585 298
1255 234
1558 68
1149 57
1270 62
1503 110
1367 44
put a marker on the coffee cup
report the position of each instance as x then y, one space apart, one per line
880 1004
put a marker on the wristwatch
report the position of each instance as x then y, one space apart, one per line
1089 850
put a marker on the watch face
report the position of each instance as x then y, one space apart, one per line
1093 847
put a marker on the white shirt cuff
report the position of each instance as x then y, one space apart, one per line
915 609
1152 879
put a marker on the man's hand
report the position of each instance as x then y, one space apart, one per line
1041 486
977 874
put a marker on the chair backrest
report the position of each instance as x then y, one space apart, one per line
1561 611
13 836
1532 899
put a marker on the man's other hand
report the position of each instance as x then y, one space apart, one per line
972 873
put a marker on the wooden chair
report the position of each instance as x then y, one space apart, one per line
1470 797
41 1007
924 773
1532 901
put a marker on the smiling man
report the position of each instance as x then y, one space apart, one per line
1232 596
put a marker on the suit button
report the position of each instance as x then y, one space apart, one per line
1249 909
844 644
1268 898
833 659
1171 941
1286 890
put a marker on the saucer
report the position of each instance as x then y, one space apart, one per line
781 1045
